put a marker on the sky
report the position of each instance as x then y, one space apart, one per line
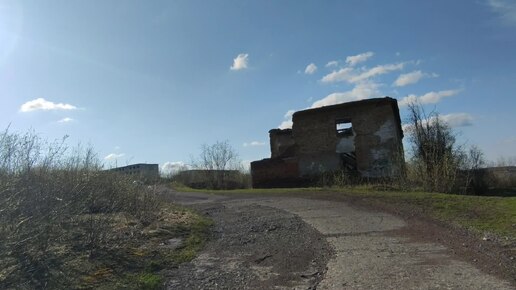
151 81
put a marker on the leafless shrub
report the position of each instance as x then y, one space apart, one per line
438 163
472 179
504 161
53 197
217 163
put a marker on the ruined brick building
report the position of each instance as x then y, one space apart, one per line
362 137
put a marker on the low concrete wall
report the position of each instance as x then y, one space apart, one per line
268 173
217 179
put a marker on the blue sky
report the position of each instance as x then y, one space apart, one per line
150 81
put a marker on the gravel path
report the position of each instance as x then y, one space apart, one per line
255 247
293 243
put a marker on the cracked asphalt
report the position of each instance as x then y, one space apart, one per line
295 243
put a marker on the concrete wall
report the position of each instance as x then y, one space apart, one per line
202 179
141 171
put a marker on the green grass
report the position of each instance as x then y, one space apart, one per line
496 215
480 214
149 281
195 240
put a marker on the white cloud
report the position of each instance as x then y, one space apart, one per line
453 120
332 63
406 128
42 104
254 144
350 75
287 124
66 120
310 69
289 114
410 99
172 167
240 62
354 59
344 74
428 98
361 91
457 119
246 165
410 78
114 156
377 70
506 10
435 97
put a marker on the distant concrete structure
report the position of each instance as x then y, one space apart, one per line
362 137
212 179
140 171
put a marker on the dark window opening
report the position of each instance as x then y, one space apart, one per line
349 161
344 128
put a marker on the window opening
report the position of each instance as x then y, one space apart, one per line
343 127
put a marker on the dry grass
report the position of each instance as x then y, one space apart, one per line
65 224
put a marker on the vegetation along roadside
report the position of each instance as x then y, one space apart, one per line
66 224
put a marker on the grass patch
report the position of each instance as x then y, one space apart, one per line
496 215
138 263
149 281
133 257
197 232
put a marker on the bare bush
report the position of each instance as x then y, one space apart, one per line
218 163
504 161
438 163
53 198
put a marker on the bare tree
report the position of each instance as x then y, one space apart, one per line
474 181
436 157
504 161
215 160
218 156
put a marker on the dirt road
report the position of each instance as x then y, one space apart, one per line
294 243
